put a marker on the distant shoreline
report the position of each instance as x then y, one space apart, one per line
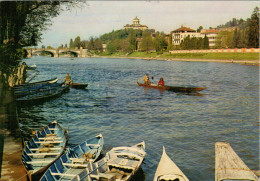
243 62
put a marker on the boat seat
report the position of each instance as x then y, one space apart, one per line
43 149
53 129
50 138
123 163
43 154
75 165
78 160
47 142
36 162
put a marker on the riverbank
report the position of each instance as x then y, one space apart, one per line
11 167
241 58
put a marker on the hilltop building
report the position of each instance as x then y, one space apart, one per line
136 25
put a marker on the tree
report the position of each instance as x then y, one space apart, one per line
77 42
132 41
224 39
199 29
90 45
146 43
206 42
98 44
71 43
23 21
253 38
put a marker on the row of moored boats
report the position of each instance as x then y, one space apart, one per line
46 157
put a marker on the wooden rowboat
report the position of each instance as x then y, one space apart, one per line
43 149
75 160
119 164
78 86
229 166
41 96
167 170
22 86
189 89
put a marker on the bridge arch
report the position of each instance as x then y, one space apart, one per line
41 51
76 54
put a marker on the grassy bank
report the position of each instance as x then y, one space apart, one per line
202 56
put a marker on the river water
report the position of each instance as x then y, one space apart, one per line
126 114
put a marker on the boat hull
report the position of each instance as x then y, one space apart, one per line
79 86
74 160
40 97
36 157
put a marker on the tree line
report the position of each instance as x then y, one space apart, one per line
245 35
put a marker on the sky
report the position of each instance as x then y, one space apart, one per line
96 18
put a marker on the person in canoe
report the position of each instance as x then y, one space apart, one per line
146 80
67 79
161 82
153 83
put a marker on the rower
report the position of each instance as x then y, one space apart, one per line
67 79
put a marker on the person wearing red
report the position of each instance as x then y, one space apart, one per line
161 82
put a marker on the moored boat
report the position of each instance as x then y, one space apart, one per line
188 89
229 166
40 96
167 170
43 149
39 83
35 89
78 86
75 160
119 164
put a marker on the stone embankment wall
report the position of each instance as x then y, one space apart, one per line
235 50
11 75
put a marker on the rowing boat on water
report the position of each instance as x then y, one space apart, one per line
40 96
229 166
22 86
188 89
119 164
35 89
75 160
78 85
167 170
43 149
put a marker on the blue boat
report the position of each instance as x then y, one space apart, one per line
35 89
35 84
43 149
119 164
75 160
40 96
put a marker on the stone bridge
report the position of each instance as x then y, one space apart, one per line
81 53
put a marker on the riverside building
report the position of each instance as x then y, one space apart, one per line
179 34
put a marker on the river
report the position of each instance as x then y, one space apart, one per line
187 125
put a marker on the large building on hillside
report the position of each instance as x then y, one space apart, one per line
136 25
179 34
